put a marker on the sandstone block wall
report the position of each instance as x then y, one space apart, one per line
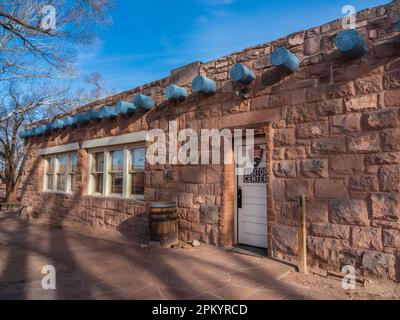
332 131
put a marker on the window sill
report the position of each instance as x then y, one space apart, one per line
68 193
114 196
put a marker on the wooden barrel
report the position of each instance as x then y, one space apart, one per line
164 223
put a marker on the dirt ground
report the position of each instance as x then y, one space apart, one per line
92 268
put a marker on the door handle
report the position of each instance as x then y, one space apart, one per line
239 198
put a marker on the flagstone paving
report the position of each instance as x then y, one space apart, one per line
92 268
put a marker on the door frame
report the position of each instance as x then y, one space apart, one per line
257 140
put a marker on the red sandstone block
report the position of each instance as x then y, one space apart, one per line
392 98
345 123
340 90
367 238
317 212
317 94
385 206
389 178
365 102
363 183
330 231
365 143
197 227
284 137
294 153
331 189
300 114
391 238
260 102
329 145
285 169
297 187
315 168
346 164
387 118
370 84
351 211
278 189
312 130
391 140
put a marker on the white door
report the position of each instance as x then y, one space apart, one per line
252 205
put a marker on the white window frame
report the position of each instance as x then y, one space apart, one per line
68 174
106 172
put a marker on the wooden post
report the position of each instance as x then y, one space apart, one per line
302 237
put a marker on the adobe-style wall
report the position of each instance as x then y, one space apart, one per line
332 131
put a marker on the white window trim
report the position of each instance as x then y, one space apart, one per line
68 183
115 140
106 175
59 149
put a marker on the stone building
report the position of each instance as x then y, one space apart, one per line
329 130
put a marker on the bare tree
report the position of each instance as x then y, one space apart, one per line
96 80
32 47
21 104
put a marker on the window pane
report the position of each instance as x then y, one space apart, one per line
61 181
71 178
137 183
49 165
98 182
73 163
98 162
116 183
62 164
49 180
138 156
117 160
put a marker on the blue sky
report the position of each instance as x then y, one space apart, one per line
146 39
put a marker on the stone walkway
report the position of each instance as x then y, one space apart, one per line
90 268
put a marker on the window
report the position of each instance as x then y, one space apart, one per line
118 172
97 172
49 166
136 171
59 172
61 175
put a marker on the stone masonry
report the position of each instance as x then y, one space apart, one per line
333 133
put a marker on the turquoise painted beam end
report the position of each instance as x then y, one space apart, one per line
174 92
82 117
58 124
398 25
69 121
107 112
28 133
22 134
93 114
143 101
42 129
283 57
351 44
242 74
123 107
203 84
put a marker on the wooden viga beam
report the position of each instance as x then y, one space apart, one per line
176 93
107 112
58 124
143 101
351 44
242 74
93 114
123 107
282 57
204 85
